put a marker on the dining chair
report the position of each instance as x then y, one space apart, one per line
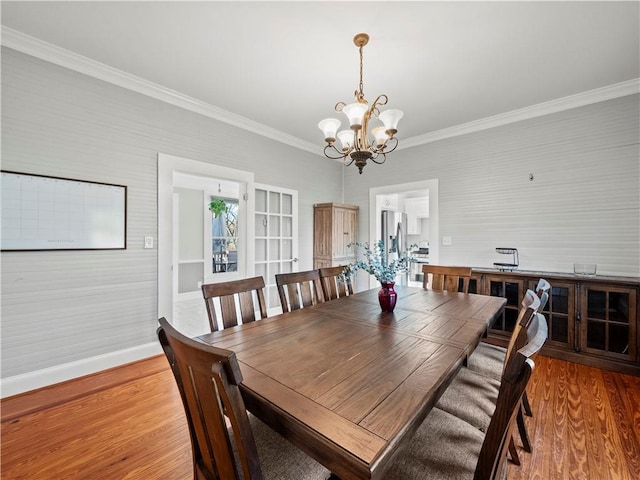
489 359
446 278
299 290
335 282
472 395
236 301
446 447
226 442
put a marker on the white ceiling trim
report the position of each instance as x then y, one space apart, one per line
51 53
589 97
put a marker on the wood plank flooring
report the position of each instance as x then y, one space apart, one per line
128 423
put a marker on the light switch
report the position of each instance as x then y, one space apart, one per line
148 242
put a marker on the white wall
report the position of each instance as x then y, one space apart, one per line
582 206
85 309
93 309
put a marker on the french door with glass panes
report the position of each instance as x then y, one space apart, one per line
275 229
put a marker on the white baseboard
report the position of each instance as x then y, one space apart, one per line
48 376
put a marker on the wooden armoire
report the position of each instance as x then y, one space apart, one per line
335 226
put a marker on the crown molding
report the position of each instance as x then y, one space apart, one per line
51 53
59 56
589 97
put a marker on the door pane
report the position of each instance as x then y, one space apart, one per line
287 204
261 201
261 225
619 307
597 304
618 338
559 300
559 329
596 335
287 250
261 250
274 226
274 202
287 226
274 249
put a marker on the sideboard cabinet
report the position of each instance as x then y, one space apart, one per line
335 226
592 320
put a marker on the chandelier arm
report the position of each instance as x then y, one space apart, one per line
383 149
381 100
331 148
339 106
374 158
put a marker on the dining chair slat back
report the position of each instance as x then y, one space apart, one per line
208 379
335 283
446 278
236 301
299 290
519 336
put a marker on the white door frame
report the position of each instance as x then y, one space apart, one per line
167 166
434 220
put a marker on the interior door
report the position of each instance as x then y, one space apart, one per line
275 231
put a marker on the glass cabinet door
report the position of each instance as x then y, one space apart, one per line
513 290
560 313
608 320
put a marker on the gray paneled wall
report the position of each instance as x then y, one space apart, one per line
60 307
583 204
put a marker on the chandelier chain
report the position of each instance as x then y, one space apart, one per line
361 85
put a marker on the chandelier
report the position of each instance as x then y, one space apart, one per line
356 145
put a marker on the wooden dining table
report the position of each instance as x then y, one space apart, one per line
350 385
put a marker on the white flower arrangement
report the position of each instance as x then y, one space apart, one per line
376 262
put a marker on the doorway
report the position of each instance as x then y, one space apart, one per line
254 233
406 198
187 239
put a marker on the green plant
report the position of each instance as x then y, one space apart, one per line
376 262
218 206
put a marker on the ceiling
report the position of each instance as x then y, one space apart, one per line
285 64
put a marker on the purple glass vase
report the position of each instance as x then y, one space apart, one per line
387 297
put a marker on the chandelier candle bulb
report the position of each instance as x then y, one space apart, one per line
356 145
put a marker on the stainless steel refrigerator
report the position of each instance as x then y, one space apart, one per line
394 235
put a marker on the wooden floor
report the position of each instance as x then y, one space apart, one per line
128 423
